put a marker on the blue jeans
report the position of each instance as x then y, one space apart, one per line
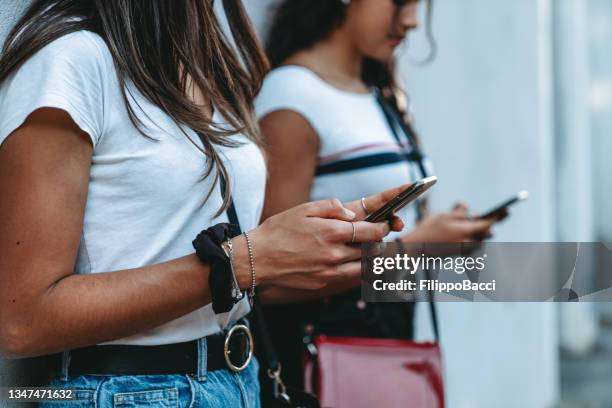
215 389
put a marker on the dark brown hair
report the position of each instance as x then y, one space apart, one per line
165 47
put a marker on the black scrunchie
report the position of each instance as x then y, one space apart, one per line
208 249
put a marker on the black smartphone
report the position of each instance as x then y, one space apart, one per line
402 199
500 210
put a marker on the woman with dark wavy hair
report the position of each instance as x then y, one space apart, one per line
324 111
126 131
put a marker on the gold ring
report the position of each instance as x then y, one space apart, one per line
226 350
353 239
365 209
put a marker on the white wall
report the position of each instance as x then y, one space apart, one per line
484 109
600 30
600 98
10 10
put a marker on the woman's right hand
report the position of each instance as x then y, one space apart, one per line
311 245
304 247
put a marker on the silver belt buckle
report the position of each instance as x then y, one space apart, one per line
227 351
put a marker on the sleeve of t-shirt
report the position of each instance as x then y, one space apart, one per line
67 74
293 91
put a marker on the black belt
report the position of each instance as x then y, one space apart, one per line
231 350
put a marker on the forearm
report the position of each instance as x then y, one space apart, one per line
82 310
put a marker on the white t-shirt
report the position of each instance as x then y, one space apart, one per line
358 156
145 203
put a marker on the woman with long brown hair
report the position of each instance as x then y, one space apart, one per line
127 138
335 122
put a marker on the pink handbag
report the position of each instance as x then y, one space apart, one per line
350 372
358 372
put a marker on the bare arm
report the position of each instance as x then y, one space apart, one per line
292 147
44 307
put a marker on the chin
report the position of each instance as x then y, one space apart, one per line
383 56
381 53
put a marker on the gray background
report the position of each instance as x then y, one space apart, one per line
9 10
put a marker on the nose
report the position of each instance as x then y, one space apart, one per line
408 17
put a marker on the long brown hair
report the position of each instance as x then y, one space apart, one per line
164 47
299 24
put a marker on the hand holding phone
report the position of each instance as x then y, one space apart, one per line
500 211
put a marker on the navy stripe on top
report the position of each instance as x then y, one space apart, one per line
363 162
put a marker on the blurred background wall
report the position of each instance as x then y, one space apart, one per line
519 97
485 112
600 106
10 10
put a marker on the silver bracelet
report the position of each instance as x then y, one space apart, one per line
237 294
252 263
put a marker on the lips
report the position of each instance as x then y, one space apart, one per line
396 40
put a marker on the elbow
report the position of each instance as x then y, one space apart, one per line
15 341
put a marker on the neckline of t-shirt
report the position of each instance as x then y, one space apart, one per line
356 95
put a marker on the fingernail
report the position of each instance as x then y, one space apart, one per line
350 214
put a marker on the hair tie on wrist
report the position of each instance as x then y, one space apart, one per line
209 250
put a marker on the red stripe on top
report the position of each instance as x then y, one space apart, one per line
361 148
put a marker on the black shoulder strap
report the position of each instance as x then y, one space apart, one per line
432 310
232 215
398 128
